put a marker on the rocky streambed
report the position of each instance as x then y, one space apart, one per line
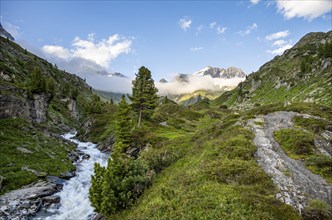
56 198
297 185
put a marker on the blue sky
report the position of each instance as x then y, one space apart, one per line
168 37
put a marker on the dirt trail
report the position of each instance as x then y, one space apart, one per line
296 184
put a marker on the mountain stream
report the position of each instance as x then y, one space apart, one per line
74 203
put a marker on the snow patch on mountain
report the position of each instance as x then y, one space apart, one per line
209 78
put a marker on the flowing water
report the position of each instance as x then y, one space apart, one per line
74 196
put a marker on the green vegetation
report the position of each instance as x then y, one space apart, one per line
119 185
123 122
302 74
216 177
318 210
313 125
180 162
297 143
24 147
28 150
144 94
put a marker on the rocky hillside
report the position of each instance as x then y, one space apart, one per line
38 102
302 73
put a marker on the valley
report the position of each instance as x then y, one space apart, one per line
259 149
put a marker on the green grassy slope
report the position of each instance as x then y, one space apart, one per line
302 74
206 169
42 154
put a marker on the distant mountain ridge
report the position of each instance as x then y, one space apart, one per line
117 74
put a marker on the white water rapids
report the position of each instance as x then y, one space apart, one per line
75 203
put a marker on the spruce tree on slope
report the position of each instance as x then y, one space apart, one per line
123 122
144 94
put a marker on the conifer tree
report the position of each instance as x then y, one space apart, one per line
95 192
37 82
120 184
123 122
144 94
50 84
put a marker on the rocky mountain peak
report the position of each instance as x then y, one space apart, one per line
5 33
216 72
314 38
182 78
118 75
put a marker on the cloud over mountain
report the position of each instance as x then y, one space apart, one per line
101 52
209 78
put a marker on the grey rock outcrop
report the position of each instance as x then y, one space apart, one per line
26 202
296 184
73 109
12 106
52 199
67 175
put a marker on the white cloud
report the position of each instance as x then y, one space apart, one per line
212 25
196 48
308 9
279 43
277 35
254 1
185 23
101 53
280 50
95 75
196 83
249 29
221 30
57 51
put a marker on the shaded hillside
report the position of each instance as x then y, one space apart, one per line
302 74
38 102
109 96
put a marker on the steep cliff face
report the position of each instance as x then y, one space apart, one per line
34 109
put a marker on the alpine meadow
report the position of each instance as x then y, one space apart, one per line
166 110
